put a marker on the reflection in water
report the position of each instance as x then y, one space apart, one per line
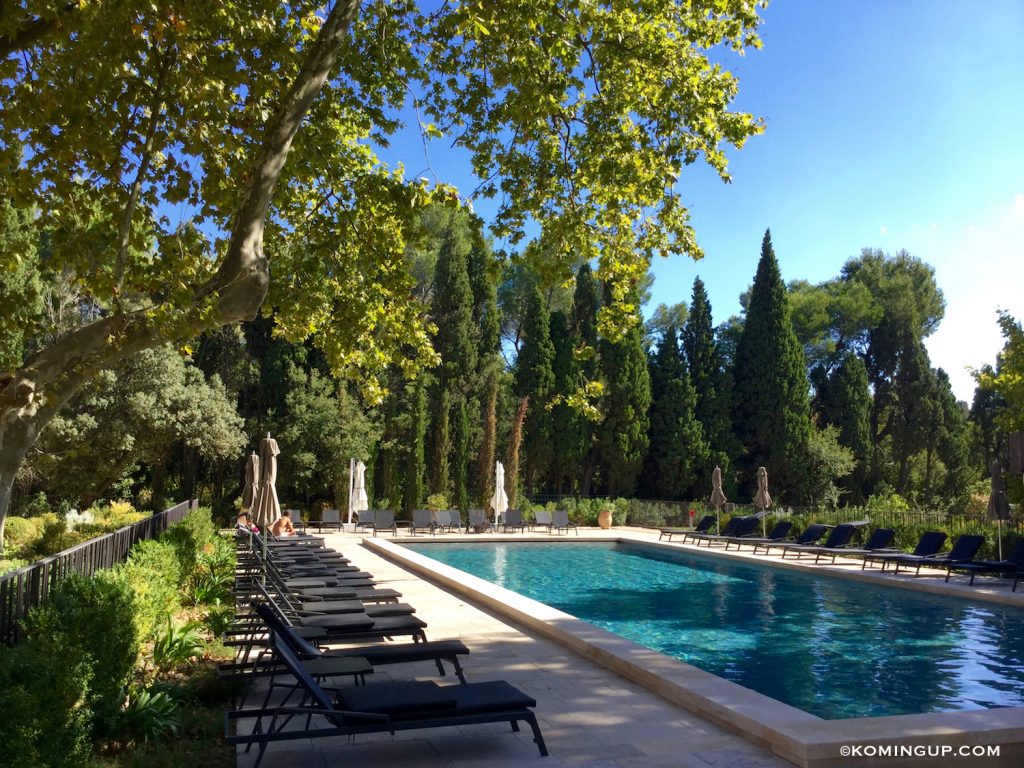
828 646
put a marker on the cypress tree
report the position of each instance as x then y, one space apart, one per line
712 387
622 437
675 436
843 400
771 398
452 312
483 278
416 467
535 380
586 302
565 420
460 425
441 440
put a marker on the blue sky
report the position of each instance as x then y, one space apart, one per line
890 124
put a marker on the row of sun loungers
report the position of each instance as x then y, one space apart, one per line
450 521
960 558
300 609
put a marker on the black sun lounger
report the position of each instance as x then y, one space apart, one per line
929 543
838 537
704 526
513 518
341 627
560 522
383 708
877 542
779 532
1012 565
434 651
808 537
963 551
744 526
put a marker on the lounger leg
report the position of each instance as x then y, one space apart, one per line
458 669
537 737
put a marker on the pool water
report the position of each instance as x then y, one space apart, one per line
826 645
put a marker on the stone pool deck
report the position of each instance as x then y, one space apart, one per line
605 701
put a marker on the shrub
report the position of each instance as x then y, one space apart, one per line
92 619
44 697
38 506
53 537
190 536
117 515
11 564
19 531
153 571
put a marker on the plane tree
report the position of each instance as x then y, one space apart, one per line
187 162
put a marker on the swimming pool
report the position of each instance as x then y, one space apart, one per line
831 647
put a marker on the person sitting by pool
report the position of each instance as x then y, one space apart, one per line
283 525
244 524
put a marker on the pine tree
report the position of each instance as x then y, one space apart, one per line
535 380
622 437
712 388
771 390
676 437
844 401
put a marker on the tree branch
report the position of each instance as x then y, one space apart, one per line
125 227
32 31
244 275
34 394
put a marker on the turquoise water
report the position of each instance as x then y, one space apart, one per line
828 646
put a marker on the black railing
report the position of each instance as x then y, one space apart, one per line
29 586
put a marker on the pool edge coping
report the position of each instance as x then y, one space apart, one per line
790 733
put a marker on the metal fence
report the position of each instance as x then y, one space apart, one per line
29 586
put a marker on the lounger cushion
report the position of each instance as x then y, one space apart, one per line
396 699
392 652
410 701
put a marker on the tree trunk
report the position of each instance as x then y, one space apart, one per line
32 396
514 444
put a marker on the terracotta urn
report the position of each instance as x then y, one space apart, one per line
604 518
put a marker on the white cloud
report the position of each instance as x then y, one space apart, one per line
883 231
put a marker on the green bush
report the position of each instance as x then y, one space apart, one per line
11 564
190 536
45 701
53 537
92 618
154 573
19 532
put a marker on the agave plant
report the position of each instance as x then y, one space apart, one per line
150 714
178 646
